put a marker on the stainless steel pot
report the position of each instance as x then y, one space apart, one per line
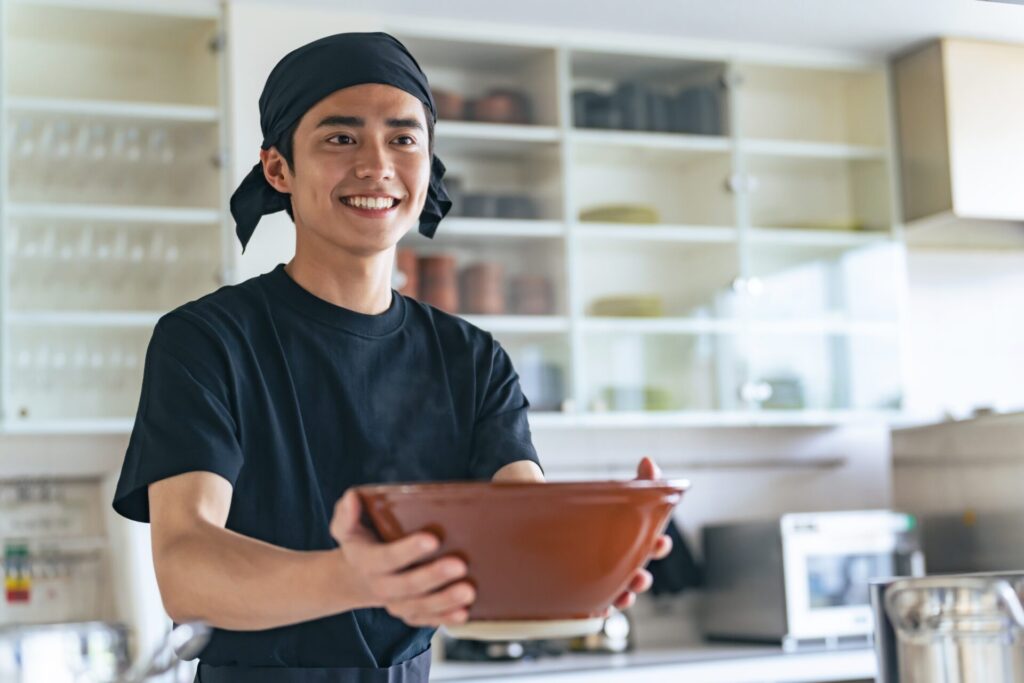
958 629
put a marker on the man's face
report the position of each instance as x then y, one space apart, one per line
361 168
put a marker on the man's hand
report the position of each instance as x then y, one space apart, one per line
641 581
420 596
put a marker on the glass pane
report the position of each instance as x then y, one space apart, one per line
815 281
634 372
80 372
542 363
820 371
654 279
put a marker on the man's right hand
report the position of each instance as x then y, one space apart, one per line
427 595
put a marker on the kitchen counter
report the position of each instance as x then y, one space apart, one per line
699 663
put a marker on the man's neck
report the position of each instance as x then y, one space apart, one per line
358 283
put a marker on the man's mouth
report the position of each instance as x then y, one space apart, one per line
366 203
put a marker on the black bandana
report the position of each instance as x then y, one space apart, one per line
310 73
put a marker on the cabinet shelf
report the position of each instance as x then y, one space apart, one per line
813 150
84 318
520 324
708 418
115 212
656 233
818 237
69 426
494 227
829 325
110 108
509 132
659 141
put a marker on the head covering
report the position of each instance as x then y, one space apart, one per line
310 73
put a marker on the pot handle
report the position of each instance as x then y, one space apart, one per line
1007 596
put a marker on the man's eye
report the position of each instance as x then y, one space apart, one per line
411 140
336 137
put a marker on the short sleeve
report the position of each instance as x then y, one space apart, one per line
501 431
184 422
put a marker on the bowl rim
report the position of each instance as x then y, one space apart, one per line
678 486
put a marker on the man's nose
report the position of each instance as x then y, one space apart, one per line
374 161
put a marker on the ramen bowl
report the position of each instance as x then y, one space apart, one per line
546 559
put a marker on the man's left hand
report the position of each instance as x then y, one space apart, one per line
641 581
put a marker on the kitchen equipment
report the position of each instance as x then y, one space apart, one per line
966 628
973 541
468 650
541 381
620 213
438 282
592 109
531 295
501 105
616 635
184 642
698 110
483 288
63 653
90 652
450 105
803 578
632 306
546 558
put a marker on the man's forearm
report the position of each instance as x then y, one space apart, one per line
239 583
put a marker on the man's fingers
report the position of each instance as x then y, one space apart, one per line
422 580
625 600
647 469
641 581
388 558
345 524
433 608
662 547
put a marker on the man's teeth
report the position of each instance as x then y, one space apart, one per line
370 202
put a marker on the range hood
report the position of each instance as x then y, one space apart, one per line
960 122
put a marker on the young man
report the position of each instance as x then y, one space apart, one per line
263 403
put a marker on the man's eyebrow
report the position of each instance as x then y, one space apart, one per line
359 122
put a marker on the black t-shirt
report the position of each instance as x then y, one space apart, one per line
293 400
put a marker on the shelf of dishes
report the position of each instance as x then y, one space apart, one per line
89 380
95 373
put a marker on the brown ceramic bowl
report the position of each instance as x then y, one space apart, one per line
536 551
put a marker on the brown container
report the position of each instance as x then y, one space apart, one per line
483 289
438 282
408 269
450 105
535 551
501 106
532 295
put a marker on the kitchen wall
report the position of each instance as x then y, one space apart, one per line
965 329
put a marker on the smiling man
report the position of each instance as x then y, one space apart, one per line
264 402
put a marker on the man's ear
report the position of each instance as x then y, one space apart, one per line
276 170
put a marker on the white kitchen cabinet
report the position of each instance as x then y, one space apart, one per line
768 251
113 195
959 110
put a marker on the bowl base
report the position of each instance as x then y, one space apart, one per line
525 629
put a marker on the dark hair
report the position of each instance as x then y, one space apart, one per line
287 146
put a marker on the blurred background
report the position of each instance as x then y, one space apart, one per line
778 246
